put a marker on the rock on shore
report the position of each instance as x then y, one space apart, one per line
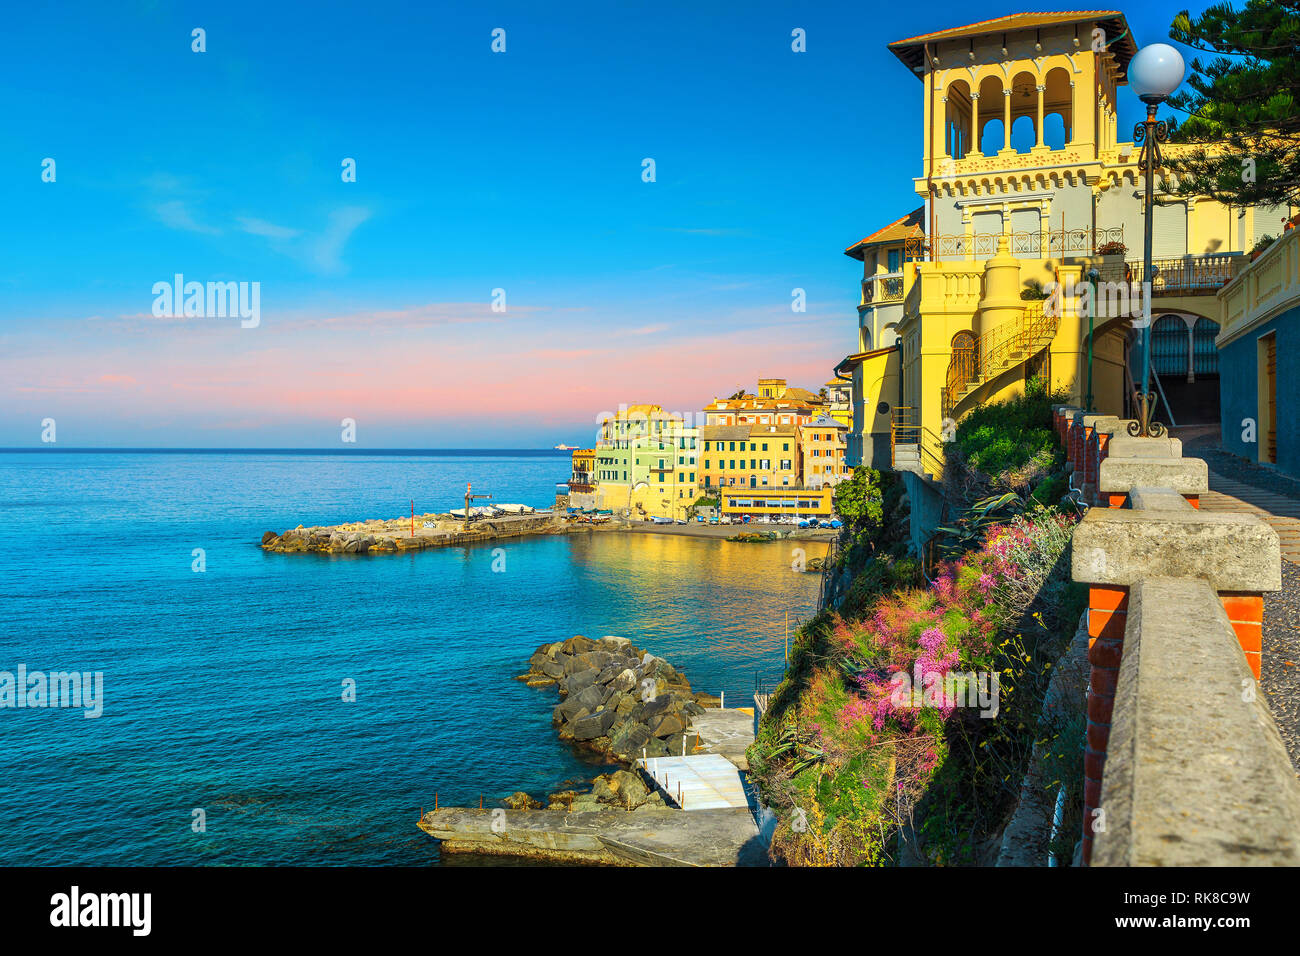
618 700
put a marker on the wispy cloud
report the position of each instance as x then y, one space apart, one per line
326 251
702 231
260 227
176 214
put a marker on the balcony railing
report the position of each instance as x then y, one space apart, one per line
1023 245
882 288
1190 274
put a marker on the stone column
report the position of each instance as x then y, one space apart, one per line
1006 121
1041 93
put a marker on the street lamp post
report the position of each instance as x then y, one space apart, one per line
1093 275
1154 73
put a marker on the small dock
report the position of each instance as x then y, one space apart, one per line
698 782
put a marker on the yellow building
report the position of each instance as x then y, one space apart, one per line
749 456
1026 183
582 480
822 446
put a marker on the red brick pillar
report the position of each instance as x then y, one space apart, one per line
1246 615
1107 617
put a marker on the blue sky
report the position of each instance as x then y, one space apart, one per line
475 171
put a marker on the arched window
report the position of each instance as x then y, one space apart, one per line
1058 104
990 132
1024 112
1023 135
958 121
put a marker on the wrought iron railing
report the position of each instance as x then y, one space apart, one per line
999 349
877 289
1049 244
904 427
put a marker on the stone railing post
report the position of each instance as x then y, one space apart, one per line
1203 785
1118 475
1092 450
1238 555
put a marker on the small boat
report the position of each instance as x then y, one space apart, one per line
563 447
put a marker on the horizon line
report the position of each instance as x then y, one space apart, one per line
173 449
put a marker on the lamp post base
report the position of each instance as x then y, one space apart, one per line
1143 426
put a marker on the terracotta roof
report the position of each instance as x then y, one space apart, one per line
911 51
722 432
906 227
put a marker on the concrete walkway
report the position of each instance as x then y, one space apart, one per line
728 732
1281 512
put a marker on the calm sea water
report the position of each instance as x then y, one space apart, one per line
223 689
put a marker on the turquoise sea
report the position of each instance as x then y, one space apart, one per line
223 689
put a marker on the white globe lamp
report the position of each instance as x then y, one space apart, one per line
1155 72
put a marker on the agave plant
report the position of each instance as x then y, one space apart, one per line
803 754
969 528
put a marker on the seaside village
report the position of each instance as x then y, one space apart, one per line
1027 185
773 455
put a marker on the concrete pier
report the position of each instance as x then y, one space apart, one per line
650 836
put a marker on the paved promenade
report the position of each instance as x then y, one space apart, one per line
1241 486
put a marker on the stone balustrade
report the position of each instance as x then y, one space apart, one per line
1171 774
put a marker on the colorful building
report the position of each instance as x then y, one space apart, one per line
822 444
646 462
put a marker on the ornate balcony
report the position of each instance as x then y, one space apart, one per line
1024 245
882 289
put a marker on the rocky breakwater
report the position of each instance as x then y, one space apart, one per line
617 699
379 535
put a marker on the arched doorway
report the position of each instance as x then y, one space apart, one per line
1184 356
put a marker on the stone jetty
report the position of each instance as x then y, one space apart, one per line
389 536
617 699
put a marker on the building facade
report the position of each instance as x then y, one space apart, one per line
822 446
1026 185
1260 401
646 462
